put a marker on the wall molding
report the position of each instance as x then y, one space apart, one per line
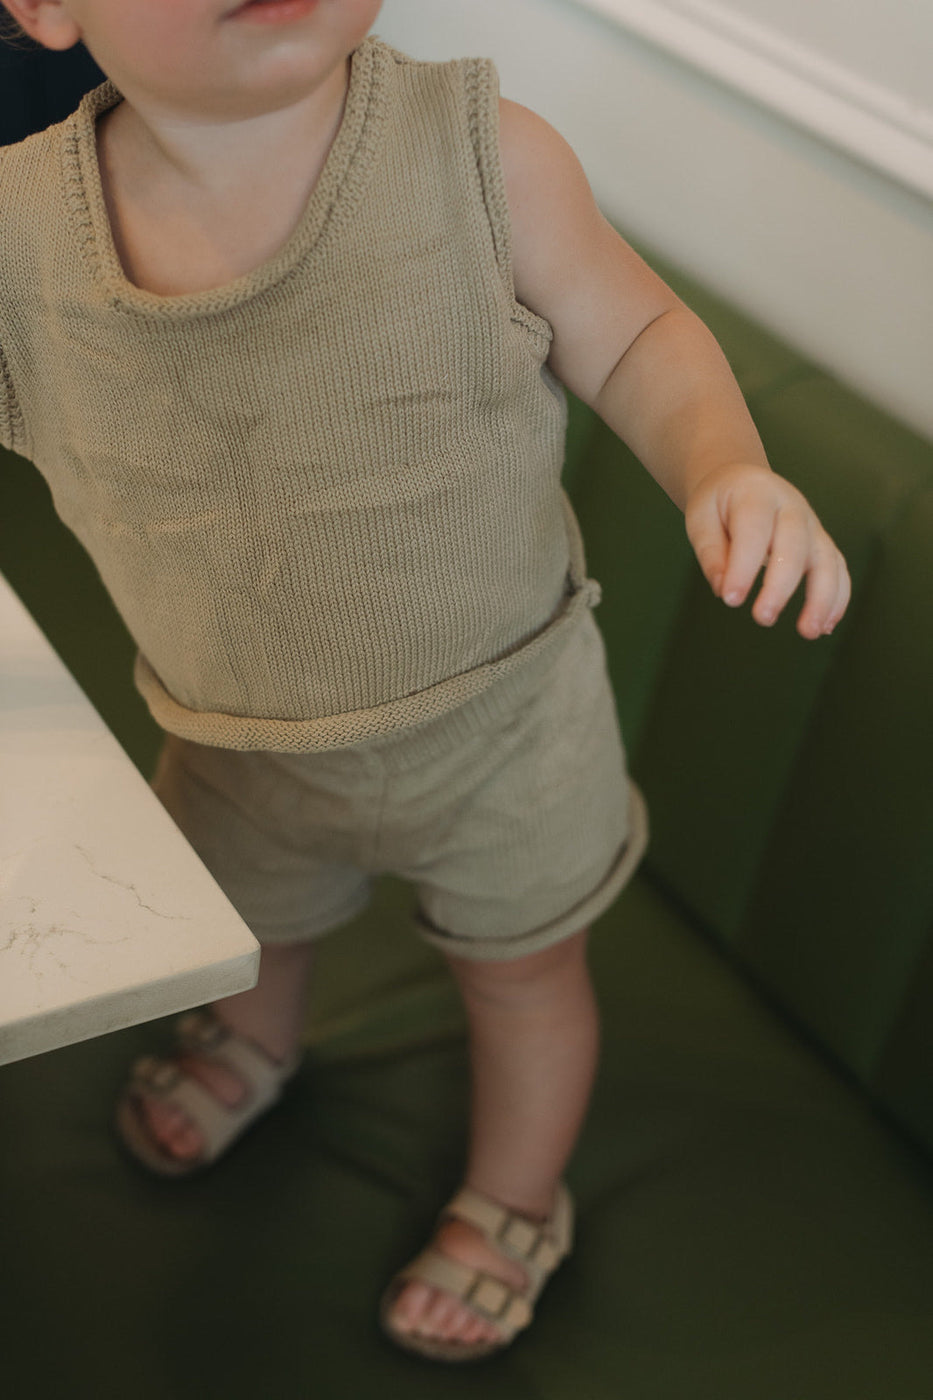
874 124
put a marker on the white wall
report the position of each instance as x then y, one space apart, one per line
859 84
832 249
888 43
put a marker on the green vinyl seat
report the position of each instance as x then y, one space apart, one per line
753 1183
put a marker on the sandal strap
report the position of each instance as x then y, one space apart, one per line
200 1030
537 1246
508 1308
204 1034
218 1124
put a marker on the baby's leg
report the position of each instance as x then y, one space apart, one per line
534 1035
271 1014
257 822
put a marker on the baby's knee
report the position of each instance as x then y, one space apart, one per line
529 975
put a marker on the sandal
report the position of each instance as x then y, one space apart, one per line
537 1247
202 1033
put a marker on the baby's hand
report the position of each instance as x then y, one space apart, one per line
742 518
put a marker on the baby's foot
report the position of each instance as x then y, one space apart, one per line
169 1125
430 1312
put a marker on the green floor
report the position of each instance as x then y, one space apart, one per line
721 1252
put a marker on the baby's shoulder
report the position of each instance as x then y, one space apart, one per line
30 184
33 165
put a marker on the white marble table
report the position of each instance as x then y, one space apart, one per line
107 917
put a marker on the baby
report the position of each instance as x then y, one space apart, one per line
284 321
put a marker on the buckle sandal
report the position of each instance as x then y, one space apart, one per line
537 1247
202 1033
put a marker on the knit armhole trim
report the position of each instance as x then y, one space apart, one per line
481 83
11 422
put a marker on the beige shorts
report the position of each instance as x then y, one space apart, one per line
512 816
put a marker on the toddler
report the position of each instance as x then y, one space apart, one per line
285 318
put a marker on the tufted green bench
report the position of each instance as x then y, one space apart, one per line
754 1186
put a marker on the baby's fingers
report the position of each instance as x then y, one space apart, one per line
788 561
743 521
732 552
799 551
751 524
828 592
709 540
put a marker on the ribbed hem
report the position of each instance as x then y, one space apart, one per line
249 733
11 423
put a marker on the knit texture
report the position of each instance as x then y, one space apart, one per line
325 497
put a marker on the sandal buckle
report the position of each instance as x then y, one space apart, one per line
155 1075
532 1243
520 1236
200 1031
497 1300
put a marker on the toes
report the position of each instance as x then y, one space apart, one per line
475 1330
186 1142
169 1125
443 1318
409 1307
171 1129
431 1313
459 1324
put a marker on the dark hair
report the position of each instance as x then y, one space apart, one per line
12 32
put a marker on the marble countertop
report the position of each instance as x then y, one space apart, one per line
107 917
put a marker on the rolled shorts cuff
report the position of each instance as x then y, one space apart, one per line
580 915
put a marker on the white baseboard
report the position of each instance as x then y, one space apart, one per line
867 120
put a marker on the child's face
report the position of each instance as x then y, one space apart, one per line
211 59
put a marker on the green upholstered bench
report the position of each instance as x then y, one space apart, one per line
753 1182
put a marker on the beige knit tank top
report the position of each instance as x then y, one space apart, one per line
326 496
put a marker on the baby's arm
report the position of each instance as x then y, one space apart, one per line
628 347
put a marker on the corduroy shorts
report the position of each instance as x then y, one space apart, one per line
512 815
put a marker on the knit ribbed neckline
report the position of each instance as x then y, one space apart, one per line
334 193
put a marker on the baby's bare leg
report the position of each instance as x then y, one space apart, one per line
271 1014
534 1036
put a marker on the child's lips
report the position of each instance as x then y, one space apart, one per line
273 11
